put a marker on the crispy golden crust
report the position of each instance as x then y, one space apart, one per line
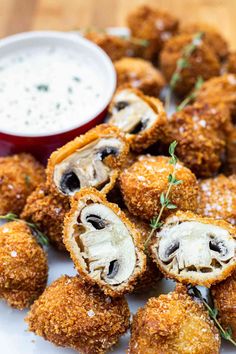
211 37
23 265
173 323
80 199
224 296
202 62
230 165
145 138
143 182
153 25
217 198
100 131
189 216
220 89
231 63
73 314
19 176
140 74
200 130
47 210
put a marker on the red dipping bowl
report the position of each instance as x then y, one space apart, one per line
41 145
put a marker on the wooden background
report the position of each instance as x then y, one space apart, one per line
24 15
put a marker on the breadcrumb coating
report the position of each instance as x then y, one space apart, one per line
72 314
202 62
154 25
47 210
143 182
23 265
200 130
72 229
230 66
140 74
224 296
217 198
173 323
219 90
211 37
19 176
230 163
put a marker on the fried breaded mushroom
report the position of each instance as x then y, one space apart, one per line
93 159
195 250
154 25
104 245
19 176
72 314
200 130
23 265
217 198
150 277
173 323
201 62
224 296
219 90
230 66
230 164
211 36
47 210
143 183
141 117
140 74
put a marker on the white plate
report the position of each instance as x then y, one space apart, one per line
14 337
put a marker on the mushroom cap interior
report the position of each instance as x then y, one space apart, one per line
195 248
105 244
85 166
131 113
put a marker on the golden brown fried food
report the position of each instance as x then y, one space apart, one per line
224 296
23 265
93 159
140 74
217 198
219 90
19 176
195 250
47 210
143 183
200 130
231 63
202 62
230 164
141 117
72 314
153 25
104 245
173 323
211 37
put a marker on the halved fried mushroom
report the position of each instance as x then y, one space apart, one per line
140 117
104 245
92 159
194 249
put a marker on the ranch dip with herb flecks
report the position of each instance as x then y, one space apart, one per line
45 89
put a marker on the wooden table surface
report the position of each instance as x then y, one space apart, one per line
24 15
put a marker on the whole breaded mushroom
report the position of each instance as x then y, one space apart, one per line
217 198
73 314
19 176
143 183
47 210
140 74
23 265
224 296
173 323
154 25
201 62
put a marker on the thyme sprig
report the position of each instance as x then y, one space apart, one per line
40 237
192 94
181 64
213 313
156 222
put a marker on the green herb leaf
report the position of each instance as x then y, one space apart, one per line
162 199
171 206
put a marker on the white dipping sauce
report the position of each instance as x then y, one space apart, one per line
45 89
